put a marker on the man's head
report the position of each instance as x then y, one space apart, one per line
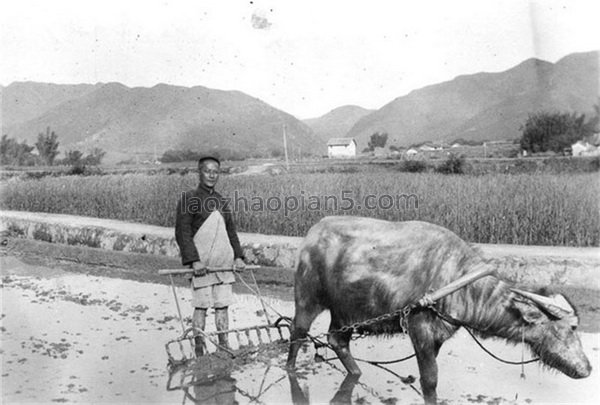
209 168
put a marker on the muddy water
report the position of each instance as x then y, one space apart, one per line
78 338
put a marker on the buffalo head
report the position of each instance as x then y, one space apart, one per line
550 324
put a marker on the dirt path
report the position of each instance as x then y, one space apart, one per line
276 282
273 282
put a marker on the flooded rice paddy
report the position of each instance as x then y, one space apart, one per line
77 338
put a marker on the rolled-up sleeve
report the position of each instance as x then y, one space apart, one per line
184 234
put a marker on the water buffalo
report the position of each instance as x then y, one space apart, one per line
361 268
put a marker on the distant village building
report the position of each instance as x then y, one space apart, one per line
341 147
587 147
379 152
426 147
397 151
412 152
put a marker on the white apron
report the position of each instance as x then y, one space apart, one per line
214 250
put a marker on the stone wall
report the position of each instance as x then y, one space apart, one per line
535 265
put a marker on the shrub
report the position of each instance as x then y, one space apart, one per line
83 170
413 166
452 165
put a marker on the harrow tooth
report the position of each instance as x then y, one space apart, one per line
258 334
250 343
183 347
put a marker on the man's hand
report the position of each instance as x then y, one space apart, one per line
239 264
200 269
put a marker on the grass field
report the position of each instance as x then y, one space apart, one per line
528 209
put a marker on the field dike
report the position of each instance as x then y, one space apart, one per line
532 265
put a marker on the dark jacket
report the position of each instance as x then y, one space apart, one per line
193 209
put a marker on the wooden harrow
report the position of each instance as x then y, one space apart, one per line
241 340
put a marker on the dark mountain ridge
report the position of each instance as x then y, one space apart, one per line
486 106
128 121
123 120
337 122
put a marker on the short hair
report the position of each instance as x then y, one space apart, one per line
207 158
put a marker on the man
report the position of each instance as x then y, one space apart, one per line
206 236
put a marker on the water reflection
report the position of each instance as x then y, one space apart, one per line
208 380
218 391
342 396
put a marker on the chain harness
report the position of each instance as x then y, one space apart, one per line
358 328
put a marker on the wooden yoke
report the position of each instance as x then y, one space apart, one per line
429 299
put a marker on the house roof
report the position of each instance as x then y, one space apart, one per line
593 140
340 141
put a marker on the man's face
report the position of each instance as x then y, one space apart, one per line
209 173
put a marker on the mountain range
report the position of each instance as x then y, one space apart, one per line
140 121
486 106
127 121
337 122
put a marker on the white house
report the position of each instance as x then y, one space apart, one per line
427 147
587 147
341 147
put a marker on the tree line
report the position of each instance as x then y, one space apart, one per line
16 153
542 132
556 131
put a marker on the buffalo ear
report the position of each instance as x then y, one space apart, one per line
530 312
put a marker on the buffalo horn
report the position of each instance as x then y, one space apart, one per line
556 305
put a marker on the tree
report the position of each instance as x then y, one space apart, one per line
47 146
94 157
452 165
15 153
593 125
73 158
545 131
378 140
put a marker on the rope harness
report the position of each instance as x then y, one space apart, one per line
358 327
457 323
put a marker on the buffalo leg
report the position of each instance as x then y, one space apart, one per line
298 397
340 342
344 393
303 318
426 345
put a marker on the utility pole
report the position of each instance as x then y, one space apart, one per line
287 163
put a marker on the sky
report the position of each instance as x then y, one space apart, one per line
305 57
